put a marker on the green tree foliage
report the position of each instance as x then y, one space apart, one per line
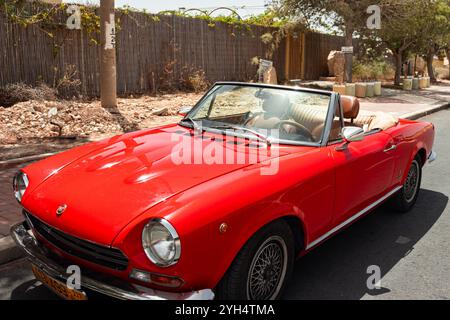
411 26
345 15
420 26
402 26
436 33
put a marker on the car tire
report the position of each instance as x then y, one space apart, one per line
263 266
406 197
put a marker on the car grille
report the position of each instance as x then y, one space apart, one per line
102 255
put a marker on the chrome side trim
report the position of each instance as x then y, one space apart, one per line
36 256
352 218
432 157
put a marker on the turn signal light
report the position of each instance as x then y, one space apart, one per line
165 281
158 279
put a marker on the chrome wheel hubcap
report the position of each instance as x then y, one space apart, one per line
412 182
268 270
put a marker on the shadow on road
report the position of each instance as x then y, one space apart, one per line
338 268
33 290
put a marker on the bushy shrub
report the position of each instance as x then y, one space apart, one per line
167 82
189 79
364 70
20 92
69 85
197 81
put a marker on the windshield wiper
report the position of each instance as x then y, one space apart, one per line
257 134
194 124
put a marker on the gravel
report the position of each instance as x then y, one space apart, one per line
30 121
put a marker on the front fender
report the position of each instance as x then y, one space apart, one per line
206 252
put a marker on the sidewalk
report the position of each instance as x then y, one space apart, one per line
411 105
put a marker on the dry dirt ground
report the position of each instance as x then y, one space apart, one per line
39 127
33 122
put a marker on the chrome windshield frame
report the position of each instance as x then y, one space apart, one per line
332 105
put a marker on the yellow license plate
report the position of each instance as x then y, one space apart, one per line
58 287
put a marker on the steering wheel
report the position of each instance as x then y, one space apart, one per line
303 130
250 116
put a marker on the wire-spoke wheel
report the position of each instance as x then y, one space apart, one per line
262 267
406 197
268 270
412 182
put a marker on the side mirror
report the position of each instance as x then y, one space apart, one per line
351 134
184 110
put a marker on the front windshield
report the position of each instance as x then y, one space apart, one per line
285 114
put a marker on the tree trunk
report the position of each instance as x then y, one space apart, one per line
348 74
415 65
398 66
108 81
430 58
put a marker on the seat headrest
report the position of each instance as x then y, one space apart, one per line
276 104
350 107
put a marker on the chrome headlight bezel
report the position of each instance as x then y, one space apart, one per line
20 185
149 249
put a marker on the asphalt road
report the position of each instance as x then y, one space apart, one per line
411 250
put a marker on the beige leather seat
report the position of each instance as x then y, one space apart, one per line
313 118
350 110
277 107
308 116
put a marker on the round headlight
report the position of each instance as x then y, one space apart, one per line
20 184
161 242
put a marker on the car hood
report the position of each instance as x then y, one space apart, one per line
112 184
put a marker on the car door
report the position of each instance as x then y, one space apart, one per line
363 172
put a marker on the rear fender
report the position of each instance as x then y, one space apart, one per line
411 137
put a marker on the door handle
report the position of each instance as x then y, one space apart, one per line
392 147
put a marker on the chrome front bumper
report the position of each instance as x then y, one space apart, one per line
37 256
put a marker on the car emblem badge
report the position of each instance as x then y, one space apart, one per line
61 209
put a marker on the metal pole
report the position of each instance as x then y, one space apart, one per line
348 55
108 81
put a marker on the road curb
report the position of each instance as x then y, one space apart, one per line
422 113
9 251
11 162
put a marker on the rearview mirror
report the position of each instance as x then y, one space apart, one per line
184 110
350 134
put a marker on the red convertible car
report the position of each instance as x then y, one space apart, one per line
220 204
